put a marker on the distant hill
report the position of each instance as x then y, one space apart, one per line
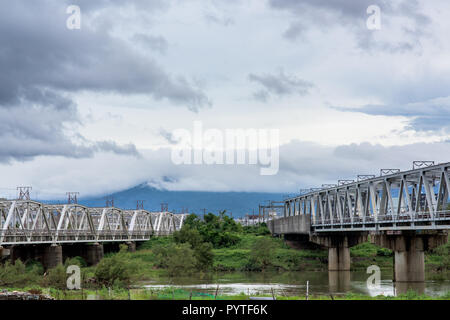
238 203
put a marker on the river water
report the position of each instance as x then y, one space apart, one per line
294 283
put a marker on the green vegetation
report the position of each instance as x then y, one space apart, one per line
215 244
173 293
116 270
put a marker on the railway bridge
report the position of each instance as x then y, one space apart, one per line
405 211
48 232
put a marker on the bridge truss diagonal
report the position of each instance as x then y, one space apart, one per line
417 199
31 222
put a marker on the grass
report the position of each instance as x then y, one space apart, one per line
237 258
172 293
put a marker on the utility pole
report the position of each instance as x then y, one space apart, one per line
109 201
72 197
24 193
204 213
259 212
140 204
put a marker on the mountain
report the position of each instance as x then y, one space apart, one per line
238 203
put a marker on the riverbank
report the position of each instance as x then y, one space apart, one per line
173 293
201 250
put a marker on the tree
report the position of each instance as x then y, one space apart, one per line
116 269
204 255
56 277
188 235
16 274
180 260
263 253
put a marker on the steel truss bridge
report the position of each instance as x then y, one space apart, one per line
31 222
417 199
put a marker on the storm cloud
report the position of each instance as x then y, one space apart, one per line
432 115
280 84
43 64
324 15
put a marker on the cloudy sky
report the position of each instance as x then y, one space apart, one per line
93 109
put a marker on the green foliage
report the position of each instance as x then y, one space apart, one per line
221 231
156 241
79 261
115 269
180 260
259 230
56 277
189 235
262 253
34 267
204 255
17 274
439 258
368 250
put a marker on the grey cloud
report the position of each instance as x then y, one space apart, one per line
111 146
168 136
92 6
43 63
280 84
35 130
155 43
431 115
312 164
225 21
42 53
326 14
302 165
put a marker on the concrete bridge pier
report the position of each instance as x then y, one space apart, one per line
131 246
52 256
339 281
94 253
339 248
409 252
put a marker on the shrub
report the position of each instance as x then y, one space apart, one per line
204 256
17 274
180 260
262 253
56 277
115 269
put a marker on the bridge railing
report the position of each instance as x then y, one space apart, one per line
26 221
421 200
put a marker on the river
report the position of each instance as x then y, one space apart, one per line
294 283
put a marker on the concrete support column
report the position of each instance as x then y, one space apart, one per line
94 253
52 256
339 248
339 281
409 266
4 252
409 248
131 246
339 258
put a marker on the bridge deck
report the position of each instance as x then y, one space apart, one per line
416 199
31 222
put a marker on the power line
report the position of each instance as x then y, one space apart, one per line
72 197
24 193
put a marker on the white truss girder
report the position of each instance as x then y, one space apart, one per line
31 222
422 202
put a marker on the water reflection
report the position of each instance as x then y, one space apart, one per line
339 281
294 283
404 287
